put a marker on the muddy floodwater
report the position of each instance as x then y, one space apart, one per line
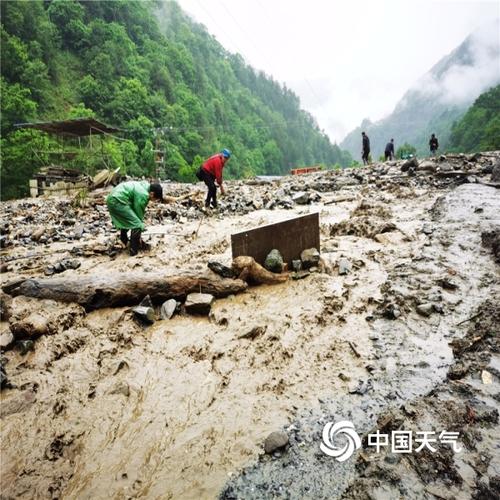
103 406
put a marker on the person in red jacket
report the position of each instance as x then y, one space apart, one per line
210 172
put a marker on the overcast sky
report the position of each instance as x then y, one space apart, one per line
346 59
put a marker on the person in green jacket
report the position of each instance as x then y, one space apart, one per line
126 204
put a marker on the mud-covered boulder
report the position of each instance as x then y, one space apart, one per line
310 258
411 164
199 303
275 441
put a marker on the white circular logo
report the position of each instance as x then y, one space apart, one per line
330 431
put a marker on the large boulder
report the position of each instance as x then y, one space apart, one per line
411 164
199 303
427 166
310 258
275 441
274 261
301 198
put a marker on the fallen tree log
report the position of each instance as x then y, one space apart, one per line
114 290
252 272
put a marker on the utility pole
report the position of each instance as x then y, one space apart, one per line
159 156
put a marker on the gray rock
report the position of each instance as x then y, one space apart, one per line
37 234
427 166
146 302
199 303
495 173
6 339
427 228
301 198
168 308
275 441
62 266
447 283
344 266
144 313
411 164
221 270
392 312
297 265
425 309
300 275
309 257
78 231
274 261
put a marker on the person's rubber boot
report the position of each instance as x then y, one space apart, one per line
124 236
135 241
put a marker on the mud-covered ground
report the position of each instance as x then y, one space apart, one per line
101 406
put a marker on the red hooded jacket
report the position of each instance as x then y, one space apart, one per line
214 166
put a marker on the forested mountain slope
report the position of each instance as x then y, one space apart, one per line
438 99
479 129
143 65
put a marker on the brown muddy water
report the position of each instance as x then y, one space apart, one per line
107 408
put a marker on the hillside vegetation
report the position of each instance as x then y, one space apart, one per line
141 66
479 129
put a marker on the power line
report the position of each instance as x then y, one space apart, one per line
217 24
313 92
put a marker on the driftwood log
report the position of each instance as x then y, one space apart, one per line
252 272
114 290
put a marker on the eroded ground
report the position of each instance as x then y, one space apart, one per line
104 407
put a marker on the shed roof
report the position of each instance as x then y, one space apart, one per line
78 127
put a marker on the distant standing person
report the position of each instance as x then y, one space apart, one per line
126 204
389 150
366 149
433 144
211 171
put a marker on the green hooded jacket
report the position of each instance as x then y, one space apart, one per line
127 204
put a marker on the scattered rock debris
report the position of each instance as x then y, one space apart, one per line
405 337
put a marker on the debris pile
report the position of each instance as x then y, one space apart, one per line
198 361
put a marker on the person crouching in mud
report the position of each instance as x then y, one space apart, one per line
210 172
126 204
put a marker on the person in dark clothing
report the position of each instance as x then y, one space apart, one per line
366 149
211 171
389 150
433 144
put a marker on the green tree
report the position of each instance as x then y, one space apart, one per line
16 104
